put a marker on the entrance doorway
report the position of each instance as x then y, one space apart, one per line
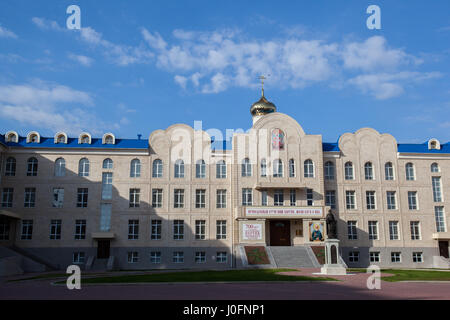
103 249
443 249
280 233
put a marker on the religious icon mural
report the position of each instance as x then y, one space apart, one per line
277 139
316 231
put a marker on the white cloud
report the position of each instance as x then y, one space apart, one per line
83 60
45 24
181 81
5 33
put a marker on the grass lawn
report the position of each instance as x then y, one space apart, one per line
411 275
205 276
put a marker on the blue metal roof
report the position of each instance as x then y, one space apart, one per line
326 146
422 148
73 143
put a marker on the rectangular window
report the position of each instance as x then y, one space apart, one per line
78 257
374 256
80 229
155 257
178 229
292 197
264 201
278 197
437 190
200 257
107 185
157 198
415 230
82 197
440 219
4 229
309 197
30 198
156 229
391 200
133 229
351 230
200 229
389 171
27 230
221 229
221 199
58 198
105 217
350 200
393 230
134 198
7 197
247 197
200 198
330 199
178 201
373 230
353 256
412 200
396 257
417 257
55 230
370 200
133 257
221 257
178 257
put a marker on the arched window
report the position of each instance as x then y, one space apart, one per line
157 169
179 169
389 171
309 169
60 137
107 163
33 138
409 168
277 168
246 168
221 170
135 168
200 169
329 170
83 168
32 167
60 167
84 138
291 168
434 167
368 171
263 168
108 138
10 168
12 136
348 171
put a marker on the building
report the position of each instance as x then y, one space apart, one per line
177 200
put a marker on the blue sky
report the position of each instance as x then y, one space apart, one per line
138 66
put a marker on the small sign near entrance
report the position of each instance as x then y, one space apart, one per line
252 231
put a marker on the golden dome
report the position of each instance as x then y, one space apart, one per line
262 107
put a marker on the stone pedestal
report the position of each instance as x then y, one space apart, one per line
332 265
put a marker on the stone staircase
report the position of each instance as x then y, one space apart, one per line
99 265
294 257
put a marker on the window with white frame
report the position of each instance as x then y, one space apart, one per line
389 171
7 197
247 197
200 169
178 201
396 257
368 171
263 168
277 168
155 257
329 170
291 168
78 257
246 168
221 170
221 198
134 198
133 229
178 229
417 257
178 257
330 198
107 178
221 257
156 226
393 230
292 197
437 190
133 257
374 256
409 168
264 198
30 198
10 167
5 227
221 229
105 217
353 256
80 229
83 167
200 229
200 257
352 232
58 197
308 169
373 230
107 164
55 229
27 230
200 198
370 200
415 230
157 198
440 219
309 197
391 200
179 169
157 170
135 168
434 167
32 167
412 200
278 197
60 167
348 171
350 200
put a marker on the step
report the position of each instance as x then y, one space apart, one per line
292 257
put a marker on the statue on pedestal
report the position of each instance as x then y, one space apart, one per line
331 226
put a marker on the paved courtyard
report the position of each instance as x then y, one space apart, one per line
350 287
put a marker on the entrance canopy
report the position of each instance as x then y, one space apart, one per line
9 214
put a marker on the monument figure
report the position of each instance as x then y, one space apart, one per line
331 226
